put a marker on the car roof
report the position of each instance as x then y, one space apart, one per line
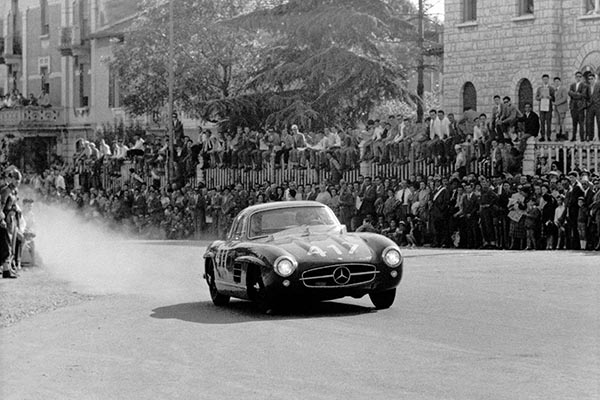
279 205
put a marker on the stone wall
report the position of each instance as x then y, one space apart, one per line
500 49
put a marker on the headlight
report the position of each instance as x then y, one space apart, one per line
285 266
392 257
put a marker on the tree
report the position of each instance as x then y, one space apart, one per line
312 62
212 61
333 60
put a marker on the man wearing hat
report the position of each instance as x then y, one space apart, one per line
440 209
574 192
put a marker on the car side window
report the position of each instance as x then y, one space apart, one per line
237 229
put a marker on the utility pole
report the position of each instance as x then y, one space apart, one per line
170 133
421 65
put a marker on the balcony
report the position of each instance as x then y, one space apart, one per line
11 49
32 117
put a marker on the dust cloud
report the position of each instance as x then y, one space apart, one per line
98 260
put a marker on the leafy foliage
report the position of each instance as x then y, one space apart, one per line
211 61
312 62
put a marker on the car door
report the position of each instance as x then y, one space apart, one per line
230 282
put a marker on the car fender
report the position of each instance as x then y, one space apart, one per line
251 260
376 242
212 248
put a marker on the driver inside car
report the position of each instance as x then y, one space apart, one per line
304 217
256 226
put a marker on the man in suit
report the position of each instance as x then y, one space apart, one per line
531 126
545 95
577 93
593 106
470 209
440 206
561 105
574 192
368 195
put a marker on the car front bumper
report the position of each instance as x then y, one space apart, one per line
295 288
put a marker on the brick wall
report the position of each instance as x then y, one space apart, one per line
500 49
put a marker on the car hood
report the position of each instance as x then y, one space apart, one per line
319 247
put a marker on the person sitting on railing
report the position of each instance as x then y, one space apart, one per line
104 149
216 147
282 156
378 141
121 149
253 154
264 157
348 151
298 153
394 139
138 148
315 145
7 101
32 101
44 100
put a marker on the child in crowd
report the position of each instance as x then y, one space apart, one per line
410 235
582 222
532 218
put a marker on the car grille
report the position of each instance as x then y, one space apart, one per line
339 275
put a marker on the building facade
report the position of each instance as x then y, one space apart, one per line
505 47
63 48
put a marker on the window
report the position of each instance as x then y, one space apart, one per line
469 10
525 7
44 18
592 7
469 96
525 94
44 70
83 99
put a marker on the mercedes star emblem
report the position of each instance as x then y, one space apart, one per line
341 275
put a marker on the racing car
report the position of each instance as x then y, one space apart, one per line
298 251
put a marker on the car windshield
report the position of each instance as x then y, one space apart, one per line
272 221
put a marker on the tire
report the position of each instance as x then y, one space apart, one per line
218 299
383 300
258 294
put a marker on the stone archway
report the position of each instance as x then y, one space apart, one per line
469 96
588 56
524 93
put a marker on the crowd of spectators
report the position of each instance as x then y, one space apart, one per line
15 99
505 209
548 210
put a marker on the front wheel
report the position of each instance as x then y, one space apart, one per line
217 298
258 292
383 300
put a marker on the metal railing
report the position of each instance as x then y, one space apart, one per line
220 177
570 155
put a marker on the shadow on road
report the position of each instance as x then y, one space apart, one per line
244 311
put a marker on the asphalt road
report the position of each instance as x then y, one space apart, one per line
465 325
